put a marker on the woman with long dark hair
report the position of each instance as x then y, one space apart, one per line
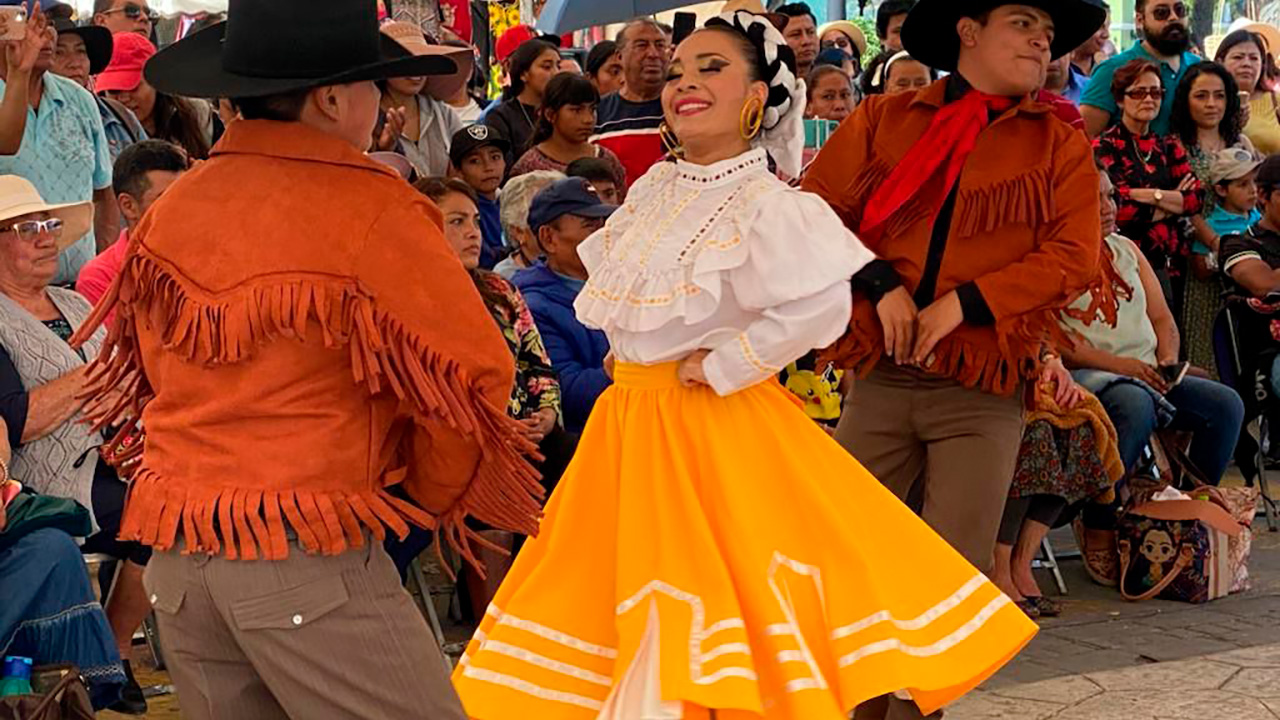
1248 58
531 68
535 396
1207 118
566 121
184 122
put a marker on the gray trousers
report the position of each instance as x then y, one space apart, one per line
306 638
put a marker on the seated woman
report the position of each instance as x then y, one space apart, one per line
1122 365
1068 455
535 399
891 73
49 613
41 380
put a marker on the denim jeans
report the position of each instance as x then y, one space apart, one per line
1211 411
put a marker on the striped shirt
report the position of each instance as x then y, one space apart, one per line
630 130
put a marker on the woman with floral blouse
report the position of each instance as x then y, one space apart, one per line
535 396
1155 184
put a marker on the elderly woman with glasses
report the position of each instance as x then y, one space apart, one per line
1154 183
42 380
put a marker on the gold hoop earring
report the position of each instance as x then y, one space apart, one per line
669 140
751 119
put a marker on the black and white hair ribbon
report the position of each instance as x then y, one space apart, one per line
783 126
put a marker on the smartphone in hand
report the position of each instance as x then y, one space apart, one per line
1173 374
15 19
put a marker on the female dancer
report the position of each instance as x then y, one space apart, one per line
710 551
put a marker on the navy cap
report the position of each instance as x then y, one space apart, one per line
571 196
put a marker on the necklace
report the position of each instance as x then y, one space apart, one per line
1144 159
525 113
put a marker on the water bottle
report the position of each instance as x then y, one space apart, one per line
17 676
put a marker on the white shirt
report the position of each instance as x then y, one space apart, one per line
723 257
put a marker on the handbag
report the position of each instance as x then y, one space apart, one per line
66 700
1177 550
30 511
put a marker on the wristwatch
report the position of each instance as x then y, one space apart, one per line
1159 196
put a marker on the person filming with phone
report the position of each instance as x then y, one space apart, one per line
1132 365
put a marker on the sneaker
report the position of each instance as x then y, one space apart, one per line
132 701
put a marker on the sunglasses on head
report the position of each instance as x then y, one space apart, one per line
1140 93
1164 12
135 12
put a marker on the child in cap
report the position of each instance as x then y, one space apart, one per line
1233 173
563 215
479 157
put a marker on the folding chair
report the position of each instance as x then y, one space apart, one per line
1049 561
1226 351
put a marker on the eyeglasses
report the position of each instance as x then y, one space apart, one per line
1140 93
30 229
1164 12
135 12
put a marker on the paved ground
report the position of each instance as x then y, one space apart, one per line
1107 659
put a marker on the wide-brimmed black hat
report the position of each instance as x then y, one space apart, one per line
97 41
274 46
929 33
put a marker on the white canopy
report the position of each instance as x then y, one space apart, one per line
167 7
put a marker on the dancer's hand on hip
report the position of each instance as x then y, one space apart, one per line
691 373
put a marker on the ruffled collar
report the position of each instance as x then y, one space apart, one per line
724 172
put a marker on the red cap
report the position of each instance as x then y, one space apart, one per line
512 39
129 56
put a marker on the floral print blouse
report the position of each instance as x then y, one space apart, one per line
1150 161
536 386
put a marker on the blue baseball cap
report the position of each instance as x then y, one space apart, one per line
571 196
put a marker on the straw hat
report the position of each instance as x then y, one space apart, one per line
19 197
441 87
852 31
1269 34
751 6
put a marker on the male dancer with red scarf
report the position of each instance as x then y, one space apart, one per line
982 209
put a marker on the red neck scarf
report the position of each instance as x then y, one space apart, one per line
950 138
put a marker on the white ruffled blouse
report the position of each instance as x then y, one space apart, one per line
722 257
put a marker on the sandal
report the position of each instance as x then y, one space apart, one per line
1046 607
1029 608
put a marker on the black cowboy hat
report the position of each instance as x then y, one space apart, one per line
97 41
929 33
275 46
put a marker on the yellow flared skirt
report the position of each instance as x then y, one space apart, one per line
725 553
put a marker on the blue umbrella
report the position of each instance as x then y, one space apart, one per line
562 16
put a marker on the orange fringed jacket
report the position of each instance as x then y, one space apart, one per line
298 337
1025 230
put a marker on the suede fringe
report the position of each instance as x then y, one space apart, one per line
1024 200
385 355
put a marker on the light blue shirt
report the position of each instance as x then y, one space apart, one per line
1098 93
65 154
119 135
1224 222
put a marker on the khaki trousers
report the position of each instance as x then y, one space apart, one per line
306 638
948 451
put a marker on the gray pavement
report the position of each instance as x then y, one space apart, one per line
1158 660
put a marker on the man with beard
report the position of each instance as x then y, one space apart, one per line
1166 41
